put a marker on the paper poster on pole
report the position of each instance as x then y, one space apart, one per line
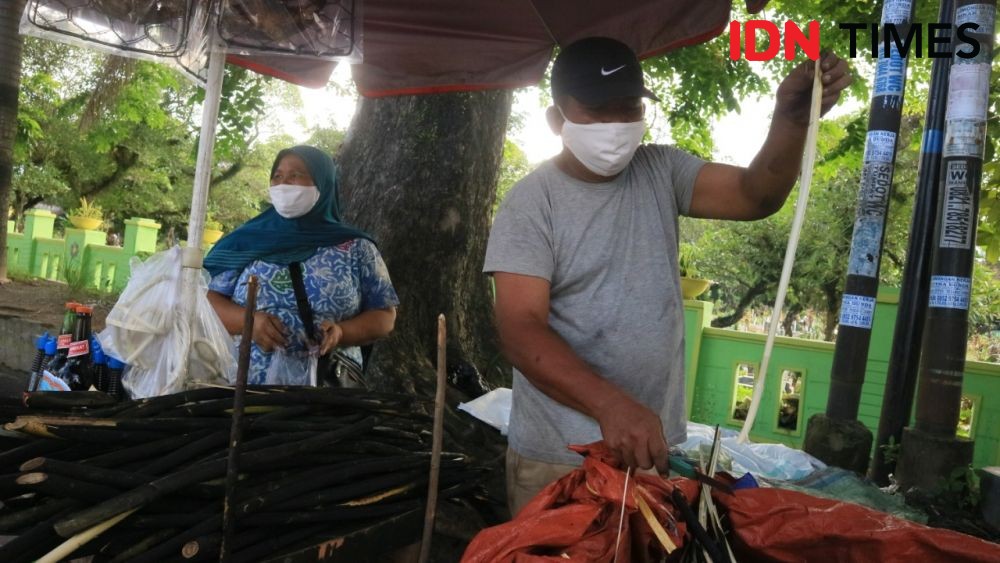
857 311
950 292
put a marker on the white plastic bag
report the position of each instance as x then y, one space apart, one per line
147 330
291 369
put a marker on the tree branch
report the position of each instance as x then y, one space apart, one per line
125 159
233 170
741 308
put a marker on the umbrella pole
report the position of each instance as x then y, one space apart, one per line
191 256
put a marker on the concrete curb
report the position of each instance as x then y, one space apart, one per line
17 341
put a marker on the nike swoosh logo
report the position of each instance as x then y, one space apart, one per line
612 71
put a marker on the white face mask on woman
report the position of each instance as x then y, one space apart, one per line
603 148
291 201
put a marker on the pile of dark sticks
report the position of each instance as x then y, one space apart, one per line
313 463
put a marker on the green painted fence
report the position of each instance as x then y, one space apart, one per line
81 258
722 368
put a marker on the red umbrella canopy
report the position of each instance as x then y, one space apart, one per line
460 45
395 46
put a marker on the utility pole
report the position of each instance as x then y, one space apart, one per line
901 378
837 437
930 450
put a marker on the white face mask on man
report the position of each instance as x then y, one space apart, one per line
291 201
603 148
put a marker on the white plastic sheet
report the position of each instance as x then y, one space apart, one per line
147 330
774 461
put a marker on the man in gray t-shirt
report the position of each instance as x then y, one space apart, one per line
584 256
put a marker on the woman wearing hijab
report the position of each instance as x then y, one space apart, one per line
345 281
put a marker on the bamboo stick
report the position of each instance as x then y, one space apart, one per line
68 399
144 451
334 514
316 478
195 474
186 453
32 542
170 546
15 456
143 545
236 431
9 486
60 486
72 544
257 552
155 405
432 486
35 514
333 495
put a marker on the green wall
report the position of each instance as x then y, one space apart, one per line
81 258
712 356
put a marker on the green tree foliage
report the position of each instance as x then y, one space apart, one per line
746 258
124 134
513 167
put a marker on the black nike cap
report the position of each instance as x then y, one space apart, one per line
597 69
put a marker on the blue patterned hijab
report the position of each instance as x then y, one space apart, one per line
272 238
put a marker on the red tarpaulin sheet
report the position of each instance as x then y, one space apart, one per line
782 525
577 517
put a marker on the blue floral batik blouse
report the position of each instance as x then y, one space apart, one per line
341 282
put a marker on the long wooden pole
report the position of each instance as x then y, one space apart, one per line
432 486
236 430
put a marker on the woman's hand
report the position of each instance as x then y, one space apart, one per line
268 331
332 334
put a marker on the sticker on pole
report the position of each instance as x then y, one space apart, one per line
956 217
866 247
880 146
964 138
890 74
896 11
950 292
869 222
968 92
981 14
857 311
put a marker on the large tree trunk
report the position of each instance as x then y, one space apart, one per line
420 173
10 82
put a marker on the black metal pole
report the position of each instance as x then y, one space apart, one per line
837 437
930 450
901 378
